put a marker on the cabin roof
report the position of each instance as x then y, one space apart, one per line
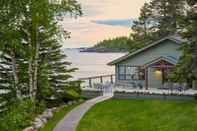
176 39
169 59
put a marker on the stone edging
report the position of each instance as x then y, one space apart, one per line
42 119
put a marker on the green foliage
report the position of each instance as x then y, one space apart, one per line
186 69
157 19
18 116
116 44
32 64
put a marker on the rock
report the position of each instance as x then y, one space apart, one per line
44 120
47 114
29 129
70 103
38 123
54 109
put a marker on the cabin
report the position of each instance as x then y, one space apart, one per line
150 66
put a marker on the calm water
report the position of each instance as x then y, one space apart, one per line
91 64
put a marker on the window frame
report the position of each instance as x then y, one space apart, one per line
125 75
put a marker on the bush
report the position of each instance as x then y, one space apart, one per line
19 115
195 96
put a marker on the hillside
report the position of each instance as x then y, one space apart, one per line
119 44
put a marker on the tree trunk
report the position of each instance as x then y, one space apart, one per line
15 75
30 74
35 79
33 65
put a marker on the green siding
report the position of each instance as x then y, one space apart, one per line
166 48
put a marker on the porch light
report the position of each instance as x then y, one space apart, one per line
158 72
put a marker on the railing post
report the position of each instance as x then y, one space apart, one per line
112 79
101 79
90 82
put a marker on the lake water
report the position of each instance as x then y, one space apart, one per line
91 64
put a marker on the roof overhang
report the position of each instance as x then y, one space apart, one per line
177 40
168 59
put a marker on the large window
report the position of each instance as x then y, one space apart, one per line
129 73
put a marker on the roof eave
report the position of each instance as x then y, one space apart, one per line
140 50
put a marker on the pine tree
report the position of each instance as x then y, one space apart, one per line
55 71
158 19
24 26
166 14
10 47
7 90
39 17
142 28
186 69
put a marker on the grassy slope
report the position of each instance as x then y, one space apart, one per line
141 115
57 117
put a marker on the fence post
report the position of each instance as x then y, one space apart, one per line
90 82
101 79
112 79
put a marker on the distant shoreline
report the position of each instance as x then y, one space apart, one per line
102 50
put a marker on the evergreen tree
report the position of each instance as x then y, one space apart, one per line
39 16
54 79
7 91
25 27
158 19
165 14
187 67
142 28
115 44
10 47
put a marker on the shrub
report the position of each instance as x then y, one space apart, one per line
18 116
195 96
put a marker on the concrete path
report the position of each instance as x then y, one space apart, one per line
71 120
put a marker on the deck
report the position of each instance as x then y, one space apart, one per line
106 84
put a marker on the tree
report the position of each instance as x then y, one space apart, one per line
55 74
166 14
186 69
25 27
115 44
142 28
10 47
40 15
158 19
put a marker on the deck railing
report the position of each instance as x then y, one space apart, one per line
92 82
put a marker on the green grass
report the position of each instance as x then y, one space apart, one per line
57 117
141 115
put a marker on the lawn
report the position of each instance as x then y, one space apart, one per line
141 115
57 117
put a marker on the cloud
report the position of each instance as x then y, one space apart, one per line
102 19
115 22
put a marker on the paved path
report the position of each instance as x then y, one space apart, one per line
71 120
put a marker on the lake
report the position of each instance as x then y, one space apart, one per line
91 64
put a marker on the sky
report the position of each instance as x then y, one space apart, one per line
102 19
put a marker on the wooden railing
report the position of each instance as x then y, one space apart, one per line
91 81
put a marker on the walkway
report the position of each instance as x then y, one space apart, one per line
71 120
